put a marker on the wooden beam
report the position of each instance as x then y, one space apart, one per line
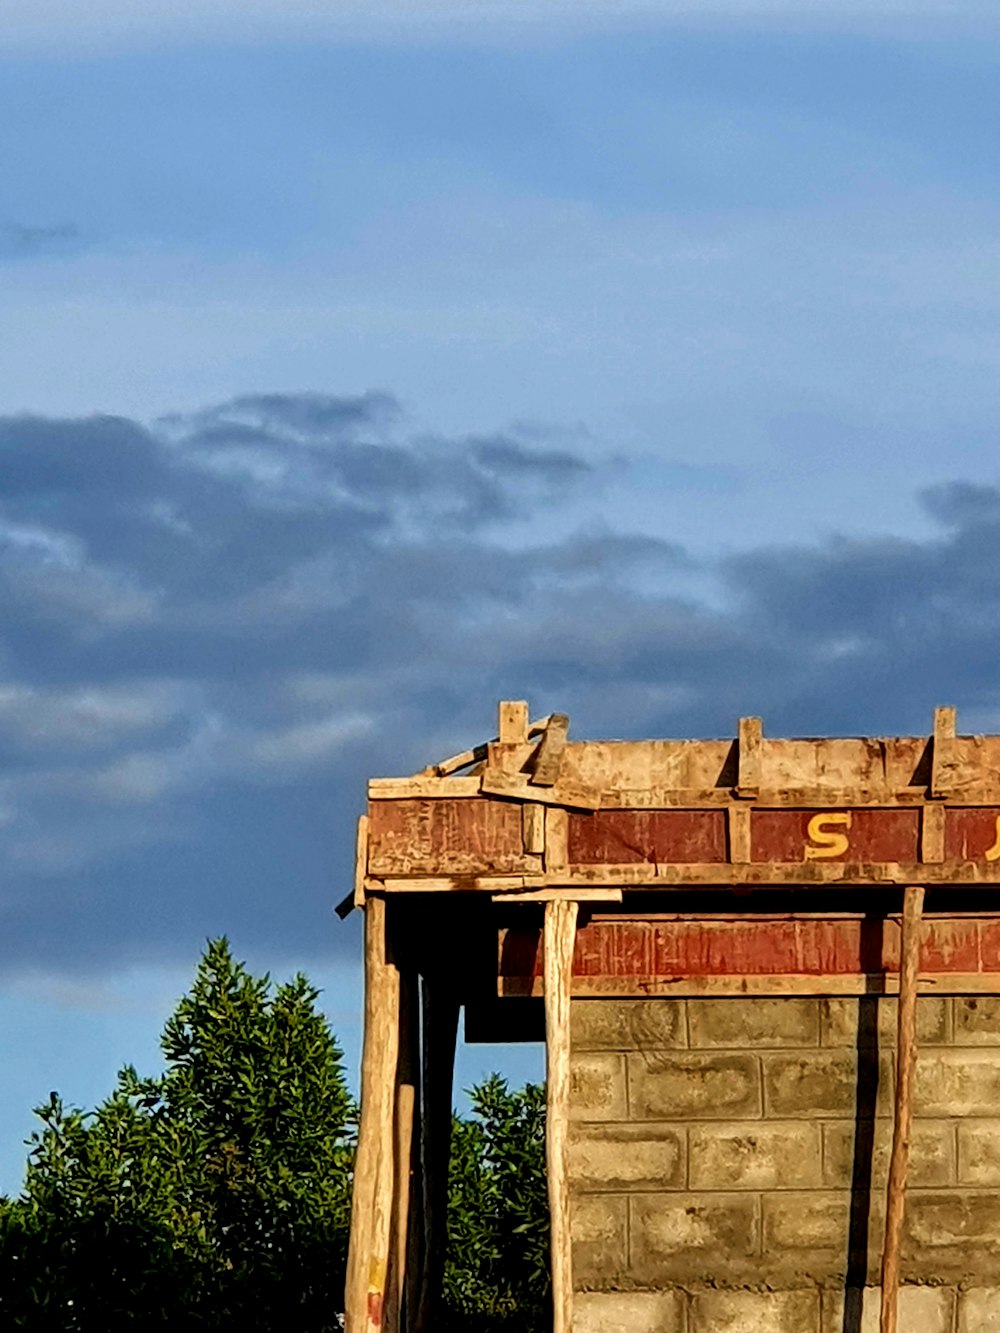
906 1053
515 787
374 1183
589 895
558 941
549 755
512 727
439 1015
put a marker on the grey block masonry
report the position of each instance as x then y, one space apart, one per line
728 1159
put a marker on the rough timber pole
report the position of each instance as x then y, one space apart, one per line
439 1031
374 1173
559 938
407 1137
906 1051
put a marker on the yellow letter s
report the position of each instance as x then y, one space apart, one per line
824 843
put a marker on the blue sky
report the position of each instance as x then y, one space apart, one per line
363 365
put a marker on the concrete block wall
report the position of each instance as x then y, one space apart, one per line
728 1159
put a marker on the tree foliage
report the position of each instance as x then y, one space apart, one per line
217 1195
497 1272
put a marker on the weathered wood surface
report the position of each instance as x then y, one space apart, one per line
403 1286
374 1175
906 1051
559 935
447 837
549 755
618 955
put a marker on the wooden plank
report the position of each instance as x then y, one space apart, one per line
549 755
906 1051
533 828
455 763
398 789
515 787
439 1015
637 987
512 726
748 776
457 883
446 837
651 837
943 751
588 895
559 936
372 1199
360 861
835 835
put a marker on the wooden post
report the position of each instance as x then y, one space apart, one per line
558 941
439 1023
407 1137
372 1200
906 1051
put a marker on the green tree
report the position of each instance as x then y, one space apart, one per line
215 1195
497 1268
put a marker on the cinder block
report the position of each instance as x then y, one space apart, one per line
979 1310
696 1087
597 1086
755 1312
957 1083
921 1310
628 1312
626 1157
825 1084
979 1152
599 1227
614 1025
757 1155
977 1020
952 1236
748 1023
807 1232
871 1020
932 1154
692 1237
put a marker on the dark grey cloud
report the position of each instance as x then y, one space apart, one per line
213 629
19 240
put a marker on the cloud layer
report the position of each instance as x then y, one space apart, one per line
215 629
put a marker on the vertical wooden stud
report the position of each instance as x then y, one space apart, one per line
439 1023
945 724
932 819
559 938
533 828
906 1053
739 834
556 840
374 1187
512 722
751 733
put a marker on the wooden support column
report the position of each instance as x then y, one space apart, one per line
559 938
906 1052
403 1294
439 1022
374 1184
